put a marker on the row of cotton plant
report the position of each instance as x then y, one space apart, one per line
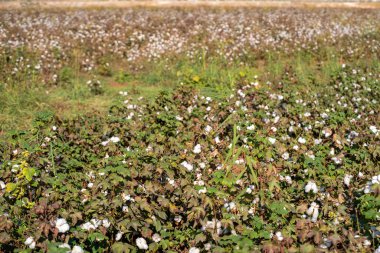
94 37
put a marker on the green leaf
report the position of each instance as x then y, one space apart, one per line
10 187
120 248
28 173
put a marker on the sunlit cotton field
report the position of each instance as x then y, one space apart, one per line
190 129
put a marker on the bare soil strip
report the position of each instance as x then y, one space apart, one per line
225 4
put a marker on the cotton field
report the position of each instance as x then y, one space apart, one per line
195 130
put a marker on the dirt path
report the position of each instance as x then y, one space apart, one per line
131 4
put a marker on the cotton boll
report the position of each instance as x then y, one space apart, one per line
367 243
65 246
30 242
367 189
374 129
2 185
197 149
347 180
77 249
115 139
141 243
91 225
326 244
178 218
118 236
337 160
187 165
203 190
251 128
106 223
279 236
207 246
239 161
285 156
288 179
311 186
156 237
62 226
271 140
311 208
194 250
326 133
96 222
171 181
87 226
127 197
211 225
208 129
315 214
308 188
315 188
301 140
375 179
